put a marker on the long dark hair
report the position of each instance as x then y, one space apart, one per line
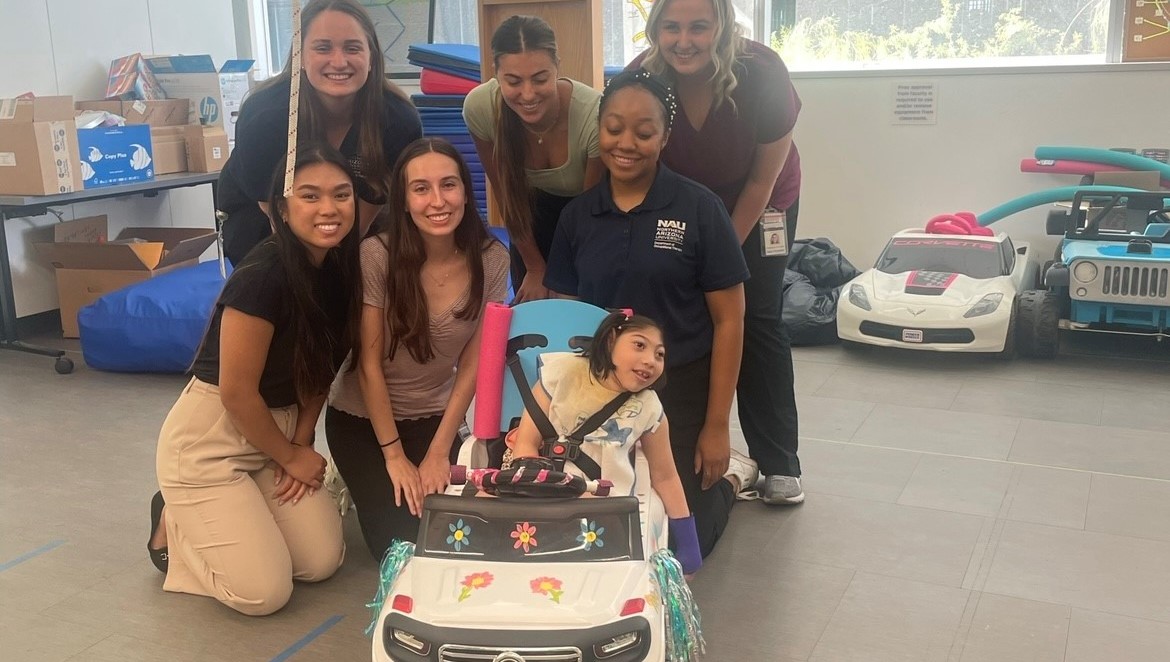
408 317
318 294
600 350
367 105
517 34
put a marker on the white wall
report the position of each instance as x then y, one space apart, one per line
65 47
865 178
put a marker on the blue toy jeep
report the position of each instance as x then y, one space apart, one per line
1111 273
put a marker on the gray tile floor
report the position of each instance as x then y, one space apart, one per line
959 509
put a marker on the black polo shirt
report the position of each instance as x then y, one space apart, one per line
660 258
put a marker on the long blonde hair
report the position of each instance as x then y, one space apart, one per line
726 49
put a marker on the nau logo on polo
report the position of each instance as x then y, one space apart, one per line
670 234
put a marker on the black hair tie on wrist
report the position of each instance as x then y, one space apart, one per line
393 441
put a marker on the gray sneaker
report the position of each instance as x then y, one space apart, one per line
783 490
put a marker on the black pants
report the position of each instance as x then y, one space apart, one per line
767 401
546 212
354 447
684 399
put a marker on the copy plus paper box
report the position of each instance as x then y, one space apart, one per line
113 155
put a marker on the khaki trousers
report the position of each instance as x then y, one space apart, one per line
226 536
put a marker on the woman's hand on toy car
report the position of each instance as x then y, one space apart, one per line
713 453
434 473
407 485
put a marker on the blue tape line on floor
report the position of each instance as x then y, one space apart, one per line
28 555
307 639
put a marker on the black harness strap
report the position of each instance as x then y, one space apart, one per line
553 446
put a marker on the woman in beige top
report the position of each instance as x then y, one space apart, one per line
394 416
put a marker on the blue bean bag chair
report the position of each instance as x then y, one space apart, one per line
152 326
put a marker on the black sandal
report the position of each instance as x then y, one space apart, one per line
157 556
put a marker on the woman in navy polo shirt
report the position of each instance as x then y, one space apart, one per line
648 239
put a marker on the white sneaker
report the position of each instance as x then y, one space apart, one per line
747 472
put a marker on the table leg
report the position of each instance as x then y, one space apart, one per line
8 336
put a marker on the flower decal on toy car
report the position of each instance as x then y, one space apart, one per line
475 580
550 586
460 535
525 535
591 534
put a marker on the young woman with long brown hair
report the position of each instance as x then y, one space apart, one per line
536 135
392 423
244 514
345 100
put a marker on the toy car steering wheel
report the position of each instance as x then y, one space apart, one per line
529 477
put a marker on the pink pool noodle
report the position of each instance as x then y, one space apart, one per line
1065 167
489 378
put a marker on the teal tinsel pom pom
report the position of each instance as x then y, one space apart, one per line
396 557
684 636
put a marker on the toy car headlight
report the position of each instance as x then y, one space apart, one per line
620 643
858 297
986 305
410 642
1085 271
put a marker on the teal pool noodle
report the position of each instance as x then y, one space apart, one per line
1045 197
1108 156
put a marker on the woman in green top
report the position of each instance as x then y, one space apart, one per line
536 135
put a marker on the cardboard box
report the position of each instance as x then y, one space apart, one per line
207 148
235 81
162 112
38 146
89 266
113 155
170 149
131 78
195 77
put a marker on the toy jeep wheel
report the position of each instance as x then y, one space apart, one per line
1038 324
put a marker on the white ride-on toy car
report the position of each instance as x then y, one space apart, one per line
521 578
941 290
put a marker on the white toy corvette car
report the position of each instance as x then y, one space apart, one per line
939 292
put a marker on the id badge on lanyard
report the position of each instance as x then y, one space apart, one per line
773 234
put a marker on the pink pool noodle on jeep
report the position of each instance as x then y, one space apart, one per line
1067 167
489 379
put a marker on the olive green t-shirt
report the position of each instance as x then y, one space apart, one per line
479 112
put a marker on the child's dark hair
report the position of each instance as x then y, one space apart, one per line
600 351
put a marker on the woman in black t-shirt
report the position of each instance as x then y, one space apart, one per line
345 100
244 515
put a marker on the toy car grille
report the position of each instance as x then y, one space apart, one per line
929 336
462 653
1138 282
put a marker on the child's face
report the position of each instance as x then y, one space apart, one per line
638 358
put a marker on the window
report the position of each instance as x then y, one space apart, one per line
809 34
830 34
